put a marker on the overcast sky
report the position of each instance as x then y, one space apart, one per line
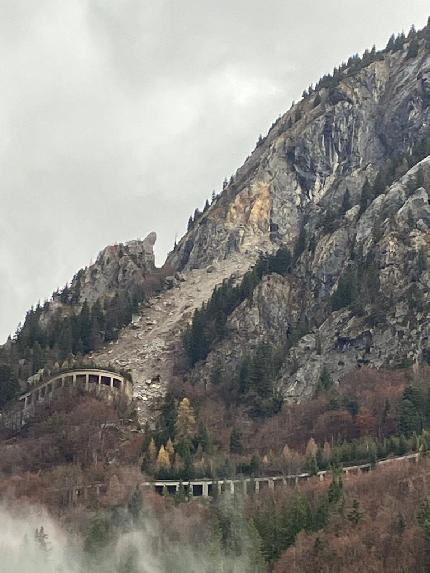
119 117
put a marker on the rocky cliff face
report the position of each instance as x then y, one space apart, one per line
327 143
305 184
390 329
358 289
117 268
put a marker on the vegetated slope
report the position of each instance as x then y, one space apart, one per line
342 180
90 311
335 181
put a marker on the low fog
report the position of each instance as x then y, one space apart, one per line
141 548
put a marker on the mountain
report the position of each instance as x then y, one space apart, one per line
341 183
286 335
342 179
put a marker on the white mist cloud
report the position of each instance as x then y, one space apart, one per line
145 549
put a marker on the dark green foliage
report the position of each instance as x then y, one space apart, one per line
413 47
312 465
236 442
280 262
203 437
278 524
357 286
412 412
345 292
209 323
256 377
9 386
167 420
421 261
329 221
98 536
355 515
335 491
393 169
75 332
135 503
325 382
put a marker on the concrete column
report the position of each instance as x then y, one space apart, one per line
87 381
321 476
205 489
271 484
111 382
25 403
257 486
74 380
232 487
296 480
99 380
122 386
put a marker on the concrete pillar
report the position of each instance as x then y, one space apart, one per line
232 487
87 381
74 380
111 382
321 475
296 480
271 484
99 380
257 486
205 489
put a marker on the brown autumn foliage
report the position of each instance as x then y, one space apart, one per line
387 537
72 444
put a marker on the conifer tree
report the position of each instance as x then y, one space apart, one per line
170 449
9 386
236 441
355 515
163 459
413 48
185 427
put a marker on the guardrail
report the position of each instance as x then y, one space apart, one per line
102 382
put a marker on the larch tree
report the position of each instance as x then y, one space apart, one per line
163 459
185 427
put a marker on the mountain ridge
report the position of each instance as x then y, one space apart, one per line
315 185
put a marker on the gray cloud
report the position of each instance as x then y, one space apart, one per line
119 117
